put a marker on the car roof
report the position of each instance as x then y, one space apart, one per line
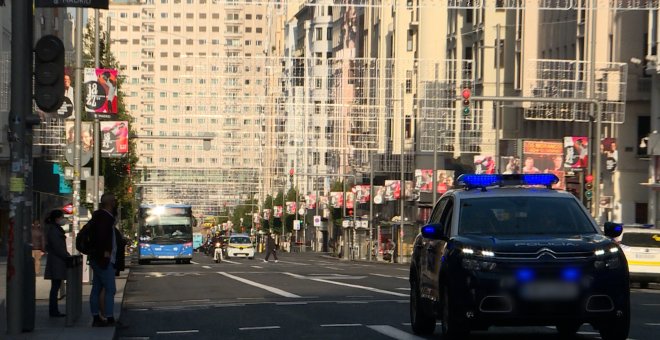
517 191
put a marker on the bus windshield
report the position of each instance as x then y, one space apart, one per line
166 227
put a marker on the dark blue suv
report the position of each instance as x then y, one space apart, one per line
507 250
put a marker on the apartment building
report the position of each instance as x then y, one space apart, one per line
195 80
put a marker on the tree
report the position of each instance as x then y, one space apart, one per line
120 177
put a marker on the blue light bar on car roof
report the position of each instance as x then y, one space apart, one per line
483 181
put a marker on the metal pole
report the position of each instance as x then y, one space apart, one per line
497 94
595 145
343 214
78 127
403 178
21 84
97 124
371 206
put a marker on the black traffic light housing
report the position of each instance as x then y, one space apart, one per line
49 73
466 94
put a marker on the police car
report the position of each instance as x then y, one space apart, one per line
642 249
507 250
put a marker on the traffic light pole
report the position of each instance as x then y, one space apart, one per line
20 203
596 151
97 124
77 125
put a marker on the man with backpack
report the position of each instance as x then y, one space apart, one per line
103 250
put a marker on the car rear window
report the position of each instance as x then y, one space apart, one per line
523 216
647 240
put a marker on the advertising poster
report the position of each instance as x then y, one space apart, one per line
324 201
101 92
392 190
278 211
114 139
86 142
576 152
267 214
544 157
512 164
310 201
445 180
379 194
336 199
362 193
610 153
350 200
291 208
484 164
424 181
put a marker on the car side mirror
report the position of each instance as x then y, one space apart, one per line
434 231
613 229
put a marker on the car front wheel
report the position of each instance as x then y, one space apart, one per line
453 326
421 321
616 328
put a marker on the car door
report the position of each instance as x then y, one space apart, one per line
427 248
437 248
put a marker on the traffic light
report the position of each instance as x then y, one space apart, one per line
349 212
588 187
49 73
466 93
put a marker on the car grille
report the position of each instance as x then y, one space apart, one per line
544 253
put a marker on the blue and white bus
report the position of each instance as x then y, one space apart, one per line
165 233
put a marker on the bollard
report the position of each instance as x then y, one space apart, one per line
73 289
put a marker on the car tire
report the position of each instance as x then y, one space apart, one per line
568 329
453 326
421 321
616 328
143 261
643 285
186 261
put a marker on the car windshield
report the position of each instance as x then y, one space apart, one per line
166 229
240 240
646 240
523 215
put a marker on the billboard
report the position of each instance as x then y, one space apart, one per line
424 181
291 207
379 194
86 142
576 152
544 157
362 193
278 211
267 214
114 139
101 92
484 164
610 153
337 199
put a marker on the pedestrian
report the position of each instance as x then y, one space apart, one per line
56 258
103 259
38 245
270 248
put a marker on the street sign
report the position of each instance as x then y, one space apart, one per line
296 225
100 4
68 209
317 220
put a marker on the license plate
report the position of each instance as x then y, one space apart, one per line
165 257
549 290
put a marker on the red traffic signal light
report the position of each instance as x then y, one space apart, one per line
349 212
589 178
466 93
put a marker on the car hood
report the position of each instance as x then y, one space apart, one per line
533 243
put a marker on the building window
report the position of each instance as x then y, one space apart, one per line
409 44
328 33
319 33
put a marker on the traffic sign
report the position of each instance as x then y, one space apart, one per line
296 225
317 220
68 209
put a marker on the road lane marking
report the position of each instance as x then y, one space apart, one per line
346 284
197 300
295 263
206 267
290 303
360 296
402 269
257 267
228 261
352 302
652 324
393 332
342 325
404 288
259 285
193 262
332 268
258 328
394 277
178 332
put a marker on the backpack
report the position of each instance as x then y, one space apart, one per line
83 239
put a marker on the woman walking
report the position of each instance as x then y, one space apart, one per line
56 259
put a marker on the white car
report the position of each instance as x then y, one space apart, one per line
240 245
642 249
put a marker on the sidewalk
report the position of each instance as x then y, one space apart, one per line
49 328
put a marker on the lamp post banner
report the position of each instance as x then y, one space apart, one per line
114 138
101 92
100 4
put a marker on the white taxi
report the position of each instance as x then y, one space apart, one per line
642 249
240 245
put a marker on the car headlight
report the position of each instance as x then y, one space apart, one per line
607 258
478 260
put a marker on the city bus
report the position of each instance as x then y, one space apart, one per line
165 233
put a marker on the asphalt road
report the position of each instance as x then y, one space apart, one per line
304 296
